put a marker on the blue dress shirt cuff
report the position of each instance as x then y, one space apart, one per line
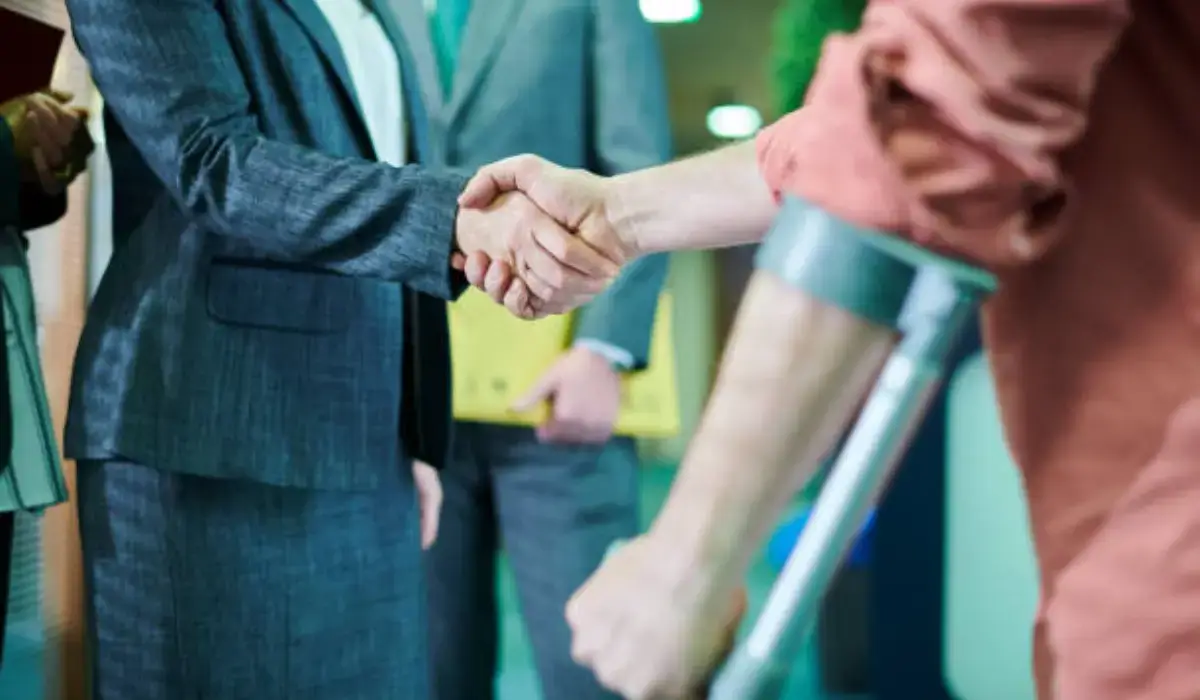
620 358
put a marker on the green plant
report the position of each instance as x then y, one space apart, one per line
801 27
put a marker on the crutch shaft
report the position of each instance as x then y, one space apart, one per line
759 669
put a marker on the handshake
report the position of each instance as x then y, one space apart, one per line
538 238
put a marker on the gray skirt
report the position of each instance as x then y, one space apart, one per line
210 589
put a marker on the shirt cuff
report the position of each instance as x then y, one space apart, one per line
620 358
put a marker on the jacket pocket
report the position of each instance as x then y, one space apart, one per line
273 297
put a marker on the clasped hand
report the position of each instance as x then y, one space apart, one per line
538 238
44 127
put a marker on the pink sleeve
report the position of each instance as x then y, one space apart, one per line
943 120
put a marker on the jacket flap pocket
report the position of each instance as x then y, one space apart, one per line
273 297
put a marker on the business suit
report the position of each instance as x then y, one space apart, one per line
592 97
30 474
245 397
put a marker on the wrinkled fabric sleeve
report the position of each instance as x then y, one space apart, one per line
944 121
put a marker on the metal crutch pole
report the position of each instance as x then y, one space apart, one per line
939 304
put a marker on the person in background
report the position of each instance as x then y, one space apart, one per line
1045 141
37 162
267 353
558 496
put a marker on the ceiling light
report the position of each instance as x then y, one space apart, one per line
670 11
734 121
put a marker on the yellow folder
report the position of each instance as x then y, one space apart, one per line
498 358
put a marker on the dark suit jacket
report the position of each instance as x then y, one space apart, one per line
252 320
22 207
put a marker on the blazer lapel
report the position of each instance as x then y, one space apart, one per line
313 20
487 27
408 19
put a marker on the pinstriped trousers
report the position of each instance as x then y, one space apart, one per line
209 589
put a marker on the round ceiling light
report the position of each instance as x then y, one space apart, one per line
734 121
670 11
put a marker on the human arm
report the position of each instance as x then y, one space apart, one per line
629 131
953 143
713 200
967 160
174 83
37 132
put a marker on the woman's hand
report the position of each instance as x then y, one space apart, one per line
429 497
44 130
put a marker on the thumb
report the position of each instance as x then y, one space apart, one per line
61 96
541 391
493 180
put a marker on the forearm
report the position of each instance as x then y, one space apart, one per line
715 200
793 375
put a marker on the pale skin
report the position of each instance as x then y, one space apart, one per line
649 622
584 394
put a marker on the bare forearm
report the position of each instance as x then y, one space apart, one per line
794 373
715 200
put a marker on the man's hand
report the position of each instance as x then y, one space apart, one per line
584 392
653 625
554 265
429 498
579 201
43 127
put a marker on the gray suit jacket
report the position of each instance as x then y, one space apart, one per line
578 82
254 321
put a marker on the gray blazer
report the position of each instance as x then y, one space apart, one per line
578 82
269 280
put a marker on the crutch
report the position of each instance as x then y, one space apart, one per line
940 301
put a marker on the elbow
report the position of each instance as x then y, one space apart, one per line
217 183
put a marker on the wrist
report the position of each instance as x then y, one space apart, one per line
626 213
700 535
615 358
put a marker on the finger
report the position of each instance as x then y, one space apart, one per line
497 282
502 176
541 391
570 250
477 268
62 120
571 283
480 191
458 261
538 287
519 301
43 123
46 178
553 280
429 525
61 96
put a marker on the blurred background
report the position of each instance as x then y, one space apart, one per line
936 604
